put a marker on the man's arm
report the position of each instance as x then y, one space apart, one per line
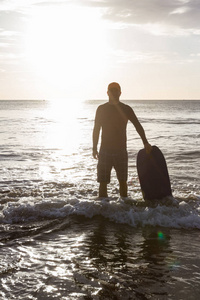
140 131
95 135
96 132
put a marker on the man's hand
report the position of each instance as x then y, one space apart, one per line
95 154
148 148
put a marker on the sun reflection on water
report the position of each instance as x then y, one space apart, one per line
65 132
63 138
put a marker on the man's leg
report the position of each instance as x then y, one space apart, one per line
123 188
103 173
103 190
121 167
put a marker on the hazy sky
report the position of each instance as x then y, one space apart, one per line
74 48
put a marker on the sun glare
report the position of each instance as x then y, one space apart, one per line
65 132
65 44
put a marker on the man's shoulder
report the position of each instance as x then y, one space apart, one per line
102 106
126 106
107 106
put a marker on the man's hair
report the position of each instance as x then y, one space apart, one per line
114 86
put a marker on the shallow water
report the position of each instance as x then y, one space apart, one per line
81 258
59 242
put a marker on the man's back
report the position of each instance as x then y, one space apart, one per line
113 120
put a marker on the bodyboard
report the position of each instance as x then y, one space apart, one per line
153 174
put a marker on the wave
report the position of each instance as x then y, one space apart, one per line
30 154
9 156
171 121
186 216
25 201
188 154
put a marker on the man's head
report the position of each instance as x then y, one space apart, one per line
114 92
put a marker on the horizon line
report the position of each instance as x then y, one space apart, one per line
82 100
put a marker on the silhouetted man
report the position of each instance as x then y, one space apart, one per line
112 117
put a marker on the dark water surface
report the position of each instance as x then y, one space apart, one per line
81 258
58 242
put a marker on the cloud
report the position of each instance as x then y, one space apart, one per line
170 14
10 58
181 15
22 5
8 34
145 57
128 24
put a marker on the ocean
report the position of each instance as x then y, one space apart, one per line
58 241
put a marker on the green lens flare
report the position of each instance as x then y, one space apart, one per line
161 235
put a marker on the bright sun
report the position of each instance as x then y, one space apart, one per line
66 44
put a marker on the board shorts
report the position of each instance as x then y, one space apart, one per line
108 160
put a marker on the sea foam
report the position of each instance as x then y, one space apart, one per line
186 216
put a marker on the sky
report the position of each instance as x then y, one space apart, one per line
72 49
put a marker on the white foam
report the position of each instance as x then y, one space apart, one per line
185 216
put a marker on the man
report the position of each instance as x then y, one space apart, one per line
112 117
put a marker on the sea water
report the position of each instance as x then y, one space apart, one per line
58 241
